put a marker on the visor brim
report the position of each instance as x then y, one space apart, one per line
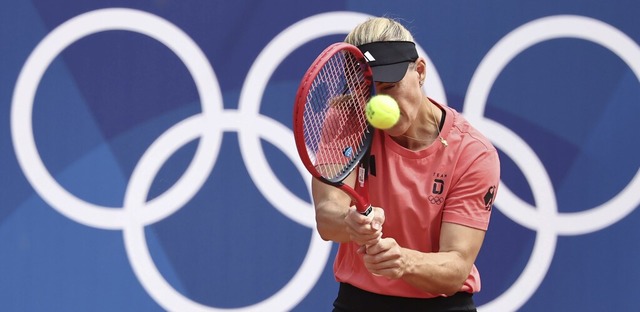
390 73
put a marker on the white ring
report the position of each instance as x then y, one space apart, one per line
43 55
546 220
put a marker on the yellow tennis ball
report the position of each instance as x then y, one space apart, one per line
382 111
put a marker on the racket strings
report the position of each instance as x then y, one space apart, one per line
335 126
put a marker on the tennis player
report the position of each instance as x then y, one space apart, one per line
432 181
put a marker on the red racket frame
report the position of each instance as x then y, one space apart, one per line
360 198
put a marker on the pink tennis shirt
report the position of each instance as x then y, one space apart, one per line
420 189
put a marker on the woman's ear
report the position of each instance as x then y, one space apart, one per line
421 68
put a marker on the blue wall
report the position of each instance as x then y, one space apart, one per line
147 160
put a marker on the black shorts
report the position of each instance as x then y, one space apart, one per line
352 299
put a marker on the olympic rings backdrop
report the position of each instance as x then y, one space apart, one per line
148 164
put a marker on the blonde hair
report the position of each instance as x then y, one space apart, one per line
378 29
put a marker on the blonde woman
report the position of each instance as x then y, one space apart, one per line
433 179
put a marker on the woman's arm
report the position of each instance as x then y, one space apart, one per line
337 221
442 272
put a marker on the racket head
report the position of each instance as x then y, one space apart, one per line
330 128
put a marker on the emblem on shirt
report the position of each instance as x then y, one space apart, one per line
489 197
436 200
437 189
438 186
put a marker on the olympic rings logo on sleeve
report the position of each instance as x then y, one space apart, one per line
208 126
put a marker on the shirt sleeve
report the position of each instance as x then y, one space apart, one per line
469 202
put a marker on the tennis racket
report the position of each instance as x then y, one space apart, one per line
330 128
